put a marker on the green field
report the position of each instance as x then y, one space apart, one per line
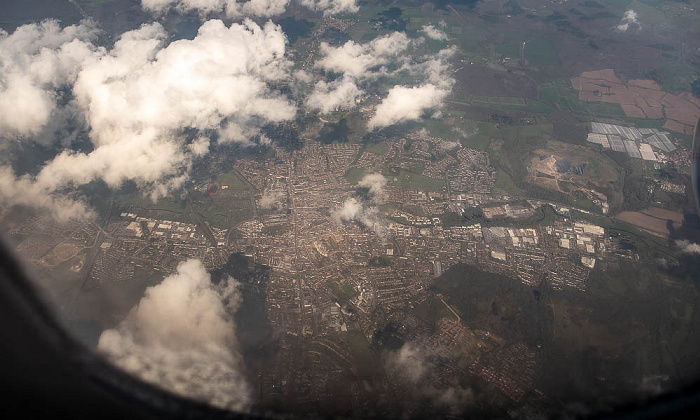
495 100
355 175
225 209
478 141
166 208
438 128
471 37
364 359
505 184
511 132
410 180
540 52
645 123
376 148
604 109
234 180
534 106
678 78
562 97
511 44
344 292
431 310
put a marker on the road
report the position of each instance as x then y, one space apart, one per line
293 213
450 308
206 231
82 11
87 267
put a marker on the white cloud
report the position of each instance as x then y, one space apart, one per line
23 191
629 19
350 210
203 6
409 362
35 61
220 74
407 103
363 62
302 76
687 247
358 60
239 8
413 364
232 8
181 336
376 183
368 216
137 98
357 63
332 7
437 68
434 33
262 8
328 96
200 146
365 212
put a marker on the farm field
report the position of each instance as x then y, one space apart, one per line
639 99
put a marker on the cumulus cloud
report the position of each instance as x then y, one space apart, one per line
329 96
232 8
200 146
262 8
35 61
359 60
181 337
354 210
357 63
434 33
239 8
629 19
384 56
302 76
139 96
271 199
667 262
437 68
23 191
409 361
332 7
203 6
375 183
687 247
407 103
416 365
220 75
365 211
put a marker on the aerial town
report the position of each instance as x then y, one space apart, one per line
346 258
353 209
